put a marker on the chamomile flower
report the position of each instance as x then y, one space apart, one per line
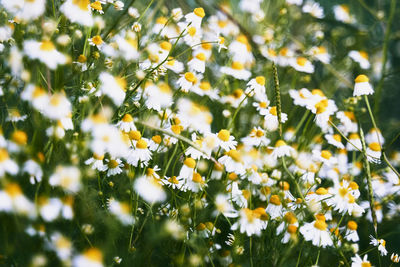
342 13
281 149
355 142
256 138
198 63
301 97
374 135
361 57
226 140
78 11
380 243
7 165
195 17
317 232
362 86
249 222
233 162
195 183
96 161
12 199
175 182
126 123
262 107
374 152
314 9
224 206
237 71
140 154
271 119
351 231
49 208
257 86
335 140
187 81
324 156
96 41
274 208
68 177
113 87
149 189
113 167
33 169
44 51
121 210
320 53
302 64
92 257
344 197
357 261
25 10
61 245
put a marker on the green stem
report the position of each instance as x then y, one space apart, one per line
277 97
369 183
385 55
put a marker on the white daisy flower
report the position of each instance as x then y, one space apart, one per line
44 51
12 199
121 210
92 257
357 261
149 189
237 71
96 161
113 87
361 57
126 124
68 177
281 149
342 13
187 81
96 41
78 11
317 232
225 140
274 208
195 17
362 86
7 165
113 167
302 64
233 162
380 243
314 9
198 63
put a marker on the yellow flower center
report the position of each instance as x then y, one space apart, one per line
82 59
82 4
201 56
290 217
20 137
275 200
166 45
161 20
321 225
121 82
343 191
13 189
192 31
292 229
176 129
206 46
199 12
280 143
190 77
317 92
337 137
113 164
237 93
301 61
197 178
47 46
365 264
375 147
236 65
97 40
352 225
234 154
135 135
326 154
361 78
263 104
173 180
321 191
3 155
94 254
273 111
364 54
127 118
96 5
97 156
259 133
157 139
260 80
205 86
224 135
189 162
141 144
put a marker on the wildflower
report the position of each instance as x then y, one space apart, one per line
233 162
12 199
33 169
149 189
113 167
317 232
362 86
187 81
361 57
96 6
395 258
113 87
92 257
224 206
256 138
357 261
78 11
44 51
61 245
226 140
351 231
249 222
271 119
344 197
274 208
195 17
237 71
96 41
314 9
324 156
335 140
282 149
198 63
342 13
126 124
257 85
68 177
380 243
302 64
374 152
121 210
320 53
7 165
374 136
355 142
